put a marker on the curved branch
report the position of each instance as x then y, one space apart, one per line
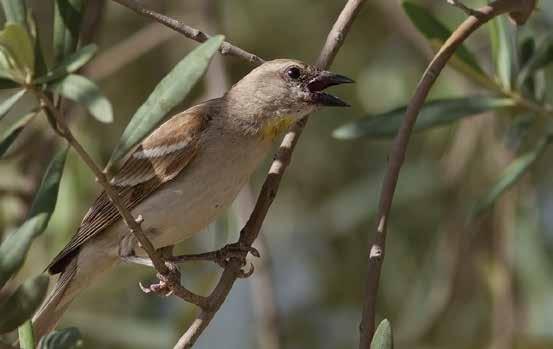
397 156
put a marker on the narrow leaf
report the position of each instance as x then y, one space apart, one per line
67 338
15 11
7 84
85 92
21 305
167 94
434 30
17 42
70 64
433 114
26 335
503 51
383 337
14 249
542 57
9 102
510 176
41 67
68 16
11 134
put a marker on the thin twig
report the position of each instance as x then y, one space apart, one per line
134 224
270 187
377 244
188 31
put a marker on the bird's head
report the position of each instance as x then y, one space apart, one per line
281 91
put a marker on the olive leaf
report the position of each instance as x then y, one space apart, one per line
17 56
11 133
21 305
68 16
67 338
85 92
383 337
510 176
70 64
437 33
14 249
433 114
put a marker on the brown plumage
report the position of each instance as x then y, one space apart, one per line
188 171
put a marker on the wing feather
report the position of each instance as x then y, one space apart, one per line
157 160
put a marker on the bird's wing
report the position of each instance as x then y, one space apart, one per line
157 160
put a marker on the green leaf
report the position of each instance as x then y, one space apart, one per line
7 84
26 335
433 114
15 11
503 51
383 337
41 67
70 64
21 305
167 94
539 60
435 31
14 249
11 134
68 15
85 92
9 102
67 338
510 176
17 46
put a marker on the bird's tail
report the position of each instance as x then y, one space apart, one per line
57 302
72 280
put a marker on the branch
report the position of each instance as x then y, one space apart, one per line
190 32
270 187
397 156
134 224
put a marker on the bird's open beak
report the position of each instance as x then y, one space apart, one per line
323 80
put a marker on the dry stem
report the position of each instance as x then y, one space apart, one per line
377 244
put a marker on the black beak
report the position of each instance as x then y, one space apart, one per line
323 80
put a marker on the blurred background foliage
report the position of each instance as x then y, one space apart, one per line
465 266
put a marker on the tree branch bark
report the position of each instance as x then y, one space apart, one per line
189 32
249 233
377 244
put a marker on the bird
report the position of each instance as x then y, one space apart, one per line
187 172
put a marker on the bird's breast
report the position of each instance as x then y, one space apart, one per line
204 189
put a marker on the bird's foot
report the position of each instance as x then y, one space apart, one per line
165 280
237 251
223 257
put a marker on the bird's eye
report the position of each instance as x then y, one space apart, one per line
293 73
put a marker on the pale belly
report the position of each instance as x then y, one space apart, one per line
202 192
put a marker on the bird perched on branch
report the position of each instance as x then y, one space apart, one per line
190 169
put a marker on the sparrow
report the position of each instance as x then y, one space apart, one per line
187 172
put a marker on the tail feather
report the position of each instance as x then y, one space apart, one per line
49 314
83 268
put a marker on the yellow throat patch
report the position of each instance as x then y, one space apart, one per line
275 127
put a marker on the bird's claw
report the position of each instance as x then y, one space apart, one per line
237 251
246 273
163 286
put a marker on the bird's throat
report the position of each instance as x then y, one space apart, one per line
276 126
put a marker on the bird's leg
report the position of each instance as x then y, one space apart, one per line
162 287
131 257
222 256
